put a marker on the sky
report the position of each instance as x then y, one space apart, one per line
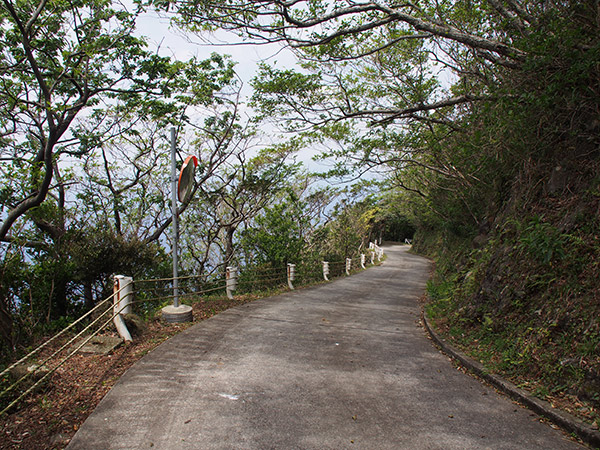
177 44
174 43
182 46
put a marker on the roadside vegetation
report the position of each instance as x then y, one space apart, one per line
516 282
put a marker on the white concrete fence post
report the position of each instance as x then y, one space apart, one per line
348 265
231 281
291 274
372 256
325 270
122 298
362 260
378 251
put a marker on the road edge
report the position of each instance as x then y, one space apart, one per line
562 419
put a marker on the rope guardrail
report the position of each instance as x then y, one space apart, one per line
60 364
265 277
157 280
170 297
234 281
56 336
259 281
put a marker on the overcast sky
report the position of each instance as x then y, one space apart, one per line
182 46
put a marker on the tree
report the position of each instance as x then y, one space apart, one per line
127 173
76 80
60 59
384 79
96 253
276 236
224 144
244 189
370 72
390 36
57 59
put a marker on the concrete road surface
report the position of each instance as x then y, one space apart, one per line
345 365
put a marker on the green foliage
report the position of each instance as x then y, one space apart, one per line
543 242
97 252
82 106
275 89
344 236
440 294
276 236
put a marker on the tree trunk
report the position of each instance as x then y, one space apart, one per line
229 231
6 325
88 296
60 302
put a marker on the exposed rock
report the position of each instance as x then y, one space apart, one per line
135 324
34 371
590 388
557 182
480 240
101 345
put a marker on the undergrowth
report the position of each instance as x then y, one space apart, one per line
527 305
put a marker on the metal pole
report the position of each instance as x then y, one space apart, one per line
175 224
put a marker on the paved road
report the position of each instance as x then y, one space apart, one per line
344 365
